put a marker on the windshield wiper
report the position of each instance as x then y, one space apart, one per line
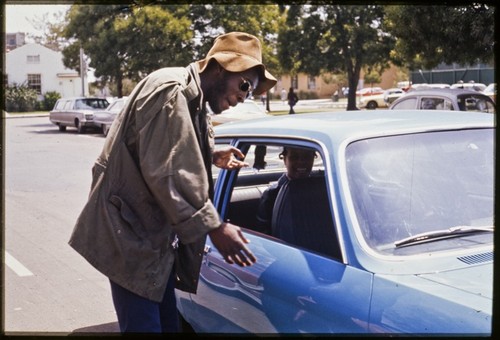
440 234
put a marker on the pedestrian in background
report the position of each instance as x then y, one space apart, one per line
283 95
292 100
149 210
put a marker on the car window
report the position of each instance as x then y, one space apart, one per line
406 104
433 103
59 105
116 105
260 198
475 103
406 185
67 105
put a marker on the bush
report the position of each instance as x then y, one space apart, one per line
307 95
50 100
20 98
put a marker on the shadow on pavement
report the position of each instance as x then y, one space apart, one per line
111 327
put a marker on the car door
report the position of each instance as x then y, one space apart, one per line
66 112
290 289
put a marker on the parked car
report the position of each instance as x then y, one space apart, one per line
242 111
76 112
444 99
381 99
391 233
104 119
368 91
491 91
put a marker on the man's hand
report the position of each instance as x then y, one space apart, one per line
231 243
225 158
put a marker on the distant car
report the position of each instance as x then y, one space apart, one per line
242 111
393 232
491 91
381 99
469 86
369 91
76 112
445 99
391 95
104 119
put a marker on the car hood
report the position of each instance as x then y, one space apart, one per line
477 280
473 284
428 302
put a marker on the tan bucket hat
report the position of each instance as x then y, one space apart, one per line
238 52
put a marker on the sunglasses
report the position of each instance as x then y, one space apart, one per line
246 86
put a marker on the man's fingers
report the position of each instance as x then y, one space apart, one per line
237 152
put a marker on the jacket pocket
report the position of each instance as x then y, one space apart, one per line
127 215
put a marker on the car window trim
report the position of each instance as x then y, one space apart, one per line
226 178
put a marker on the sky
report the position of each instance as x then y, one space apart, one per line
16 16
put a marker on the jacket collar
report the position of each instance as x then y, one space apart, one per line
192 91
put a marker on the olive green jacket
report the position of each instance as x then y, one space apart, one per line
149 185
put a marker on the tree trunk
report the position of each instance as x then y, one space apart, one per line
119 86
268 107
353 78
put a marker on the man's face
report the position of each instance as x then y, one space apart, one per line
231 88
299 162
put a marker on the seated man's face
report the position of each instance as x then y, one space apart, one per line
299 162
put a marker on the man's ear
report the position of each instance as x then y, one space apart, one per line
214 67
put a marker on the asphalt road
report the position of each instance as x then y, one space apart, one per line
48 287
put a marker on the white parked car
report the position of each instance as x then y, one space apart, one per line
242 111
491 91
104 119
383 99
76 112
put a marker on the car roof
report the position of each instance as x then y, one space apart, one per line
75 98
338 127
449 92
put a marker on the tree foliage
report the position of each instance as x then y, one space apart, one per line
128 40
335 38
430 35
133 40
50 30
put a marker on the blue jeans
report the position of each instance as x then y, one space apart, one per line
140 315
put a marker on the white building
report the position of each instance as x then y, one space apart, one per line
42 69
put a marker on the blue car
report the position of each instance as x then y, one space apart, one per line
392 232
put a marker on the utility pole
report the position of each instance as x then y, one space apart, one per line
83 71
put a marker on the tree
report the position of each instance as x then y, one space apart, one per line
128 41
133 40
429 35
263 21
372 76
50 30
335 38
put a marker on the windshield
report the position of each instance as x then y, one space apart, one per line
410 184
91 103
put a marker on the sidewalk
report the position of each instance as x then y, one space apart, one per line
6 115
320 104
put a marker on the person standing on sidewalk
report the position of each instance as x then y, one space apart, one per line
149 210
283 95
292 100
